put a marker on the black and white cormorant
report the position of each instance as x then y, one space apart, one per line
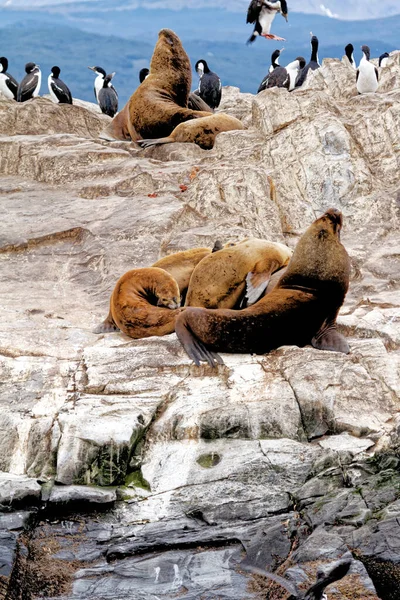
108 97
8 85
262 13
383 59
286 76
367 74
274 65
143 74
317 591
313 65
30 85
349 51
98 82
210 87
59 92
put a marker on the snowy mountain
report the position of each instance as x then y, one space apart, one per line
352 9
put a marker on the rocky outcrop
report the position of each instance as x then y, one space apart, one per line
136 474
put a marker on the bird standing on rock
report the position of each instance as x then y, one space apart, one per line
210 87
30 85
98 82
108 97
313 65
286 76
8 85
349 50
367 74
59 92
262 13
274 65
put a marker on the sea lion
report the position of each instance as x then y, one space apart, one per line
302 308
160 102
179 265
200 131
144 302
223 278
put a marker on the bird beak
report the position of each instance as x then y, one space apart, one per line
92 68
112 74
311 33
282 49
285 16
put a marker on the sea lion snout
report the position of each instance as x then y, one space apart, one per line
336 218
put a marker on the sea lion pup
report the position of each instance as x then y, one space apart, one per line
200 131
302 308
144 302
160 102
179 265
237 272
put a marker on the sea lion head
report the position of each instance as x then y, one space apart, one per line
171 65
171 303
330 223
167 292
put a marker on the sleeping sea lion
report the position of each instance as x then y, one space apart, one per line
179 265
160 103
221 279
200 131
144 302
302 308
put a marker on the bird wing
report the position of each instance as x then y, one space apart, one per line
12 84
108 101
377 74
61 91
263 84
27 85
254 10
116 93
338 571
211 89
358 74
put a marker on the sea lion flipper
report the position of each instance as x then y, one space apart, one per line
149 143
193 347
107 326
328 338
256 284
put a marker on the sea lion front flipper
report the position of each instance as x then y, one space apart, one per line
107 326
328 338
193 347
256 284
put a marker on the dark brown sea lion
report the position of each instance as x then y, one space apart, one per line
179 265
144 302
199 131
160 103
302 308
221 279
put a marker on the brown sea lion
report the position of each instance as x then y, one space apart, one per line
144 302
302 308
160 103
224 277
200 131
179 265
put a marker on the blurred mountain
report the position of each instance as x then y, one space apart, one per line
123 41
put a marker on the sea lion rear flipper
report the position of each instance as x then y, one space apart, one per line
149 143
107 326
193 347
328 338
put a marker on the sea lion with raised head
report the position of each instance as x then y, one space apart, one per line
200 131
144 302
302 308
179 265
235 273
160 103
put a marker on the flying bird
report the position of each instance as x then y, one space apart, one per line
59 92
262 13
316 591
